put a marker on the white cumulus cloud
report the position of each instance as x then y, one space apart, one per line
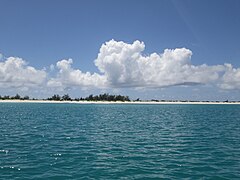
231 78
14 72
121 65
125 65
67 77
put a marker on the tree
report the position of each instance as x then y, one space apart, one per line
106 97
17 96
26 97
90 98
6 97
66 97
55 97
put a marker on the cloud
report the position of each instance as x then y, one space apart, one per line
14 72
125 65
68 77
121 65
231 78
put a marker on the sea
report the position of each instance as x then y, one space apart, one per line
119 141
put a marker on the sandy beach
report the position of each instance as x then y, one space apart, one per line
117 102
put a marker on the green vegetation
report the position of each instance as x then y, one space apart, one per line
106 97
66 97
101 97
55 97
16 97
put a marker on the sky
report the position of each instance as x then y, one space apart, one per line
155 49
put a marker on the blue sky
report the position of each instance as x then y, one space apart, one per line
43 33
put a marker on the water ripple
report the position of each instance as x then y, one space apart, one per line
73 141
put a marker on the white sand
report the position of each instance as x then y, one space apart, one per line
117 102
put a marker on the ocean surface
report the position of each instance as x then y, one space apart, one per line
93 141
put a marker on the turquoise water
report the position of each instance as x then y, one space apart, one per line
74 141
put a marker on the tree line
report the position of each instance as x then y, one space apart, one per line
100 97
66 97
17 97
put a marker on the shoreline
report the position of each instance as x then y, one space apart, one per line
117 102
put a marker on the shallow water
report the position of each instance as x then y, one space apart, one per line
93 141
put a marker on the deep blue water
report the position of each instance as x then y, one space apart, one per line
75 141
